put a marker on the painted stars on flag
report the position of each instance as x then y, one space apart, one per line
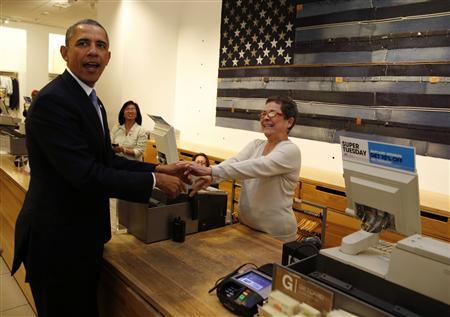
257 33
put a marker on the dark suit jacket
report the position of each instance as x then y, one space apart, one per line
65 221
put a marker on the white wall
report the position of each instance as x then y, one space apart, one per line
56 64
144 35
109 87
28 55
170 65
13 58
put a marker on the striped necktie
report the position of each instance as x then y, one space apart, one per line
94 100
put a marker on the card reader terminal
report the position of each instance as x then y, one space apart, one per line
242 292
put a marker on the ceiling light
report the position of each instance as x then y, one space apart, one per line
64 4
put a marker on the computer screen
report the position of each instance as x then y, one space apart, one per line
382 190
255 281
166 145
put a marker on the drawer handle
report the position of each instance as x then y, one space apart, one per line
433 216
331 191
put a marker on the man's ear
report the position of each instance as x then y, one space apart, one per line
109 57
290 122
63 51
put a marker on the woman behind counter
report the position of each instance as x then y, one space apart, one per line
269 171
201 158
129 138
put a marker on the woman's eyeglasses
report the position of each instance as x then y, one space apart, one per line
270 114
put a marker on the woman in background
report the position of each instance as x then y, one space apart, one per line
201 158
128 137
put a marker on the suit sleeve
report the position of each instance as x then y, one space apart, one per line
58 129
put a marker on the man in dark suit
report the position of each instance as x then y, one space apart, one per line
64 221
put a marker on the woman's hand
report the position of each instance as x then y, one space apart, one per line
198 170
124 150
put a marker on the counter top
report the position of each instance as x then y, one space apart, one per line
17 175
174 278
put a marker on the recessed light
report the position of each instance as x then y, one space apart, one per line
62 4
45 13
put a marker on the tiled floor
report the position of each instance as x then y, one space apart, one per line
12 301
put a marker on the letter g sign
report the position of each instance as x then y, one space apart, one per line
287 282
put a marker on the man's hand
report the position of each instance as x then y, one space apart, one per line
200 183
171 185
117 149
176 169
196 169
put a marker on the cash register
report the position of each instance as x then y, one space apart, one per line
382 190
407 278
153 221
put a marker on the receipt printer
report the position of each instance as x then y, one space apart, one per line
154 221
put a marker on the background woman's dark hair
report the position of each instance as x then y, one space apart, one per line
204 155
288 107
122 111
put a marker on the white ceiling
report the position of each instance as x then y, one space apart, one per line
58 13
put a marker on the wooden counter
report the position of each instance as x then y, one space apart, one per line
13 186
164 278
167 278
14 174
173 278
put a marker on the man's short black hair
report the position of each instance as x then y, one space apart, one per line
71 28
288 107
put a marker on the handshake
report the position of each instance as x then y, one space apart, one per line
173 178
